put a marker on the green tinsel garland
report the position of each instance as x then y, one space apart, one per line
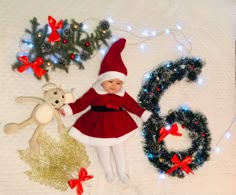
196 123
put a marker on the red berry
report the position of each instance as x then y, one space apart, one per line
64 41
87 44
72 56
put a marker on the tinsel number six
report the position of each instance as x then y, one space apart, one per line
158 127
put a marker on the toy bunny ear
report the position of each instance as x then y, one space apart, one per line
49 86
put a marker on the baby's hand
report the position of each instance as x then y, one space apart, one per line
62 112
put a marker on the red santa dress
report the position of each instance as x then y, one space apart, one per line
107 122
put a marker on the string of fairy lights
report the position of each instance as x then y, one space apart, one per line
183 43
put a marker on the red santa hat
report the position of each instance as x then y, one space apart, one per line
112 65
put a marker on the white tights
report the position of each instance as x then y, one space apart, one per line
104 156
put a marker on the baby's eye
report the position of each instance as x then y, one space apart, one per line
56 101
55 93
62 96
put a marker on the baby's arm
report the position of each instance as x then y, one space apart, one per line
132 106
79 105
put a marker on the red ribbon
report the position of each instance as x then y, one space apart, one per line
54 36
36 65
164 132
182 164
83 176
112 106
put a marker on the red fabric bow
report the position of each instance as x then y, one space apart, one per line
164 132
54 36
182 165
112 106
36 65
83 176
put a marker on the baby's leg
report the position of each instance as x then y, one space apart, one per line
104 156
119 155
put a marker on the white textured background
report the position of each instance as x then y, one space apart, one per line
211 26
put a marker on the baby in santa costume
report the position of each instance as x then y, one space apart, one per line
107 124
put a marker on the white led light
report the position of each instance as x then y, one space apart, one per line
85 27
54 59
178 26
129 28
167 31
228 135
77 58
153 33
29 70
147 76
142 47
110 20
180 47
217 149
114 39
168 127
49 30
27 43
21 53
162 176
102 51
184 107
145 33
200 81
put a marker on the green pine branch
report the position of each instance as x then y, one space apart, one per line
74 47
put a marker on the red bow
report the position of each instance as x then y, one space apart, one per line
112 106
164 132
34 65
182 165
83 176
54 36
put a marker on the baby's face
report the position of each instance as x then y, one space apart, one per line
112 85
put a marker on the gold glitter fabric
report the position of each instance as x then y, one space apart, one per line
59 161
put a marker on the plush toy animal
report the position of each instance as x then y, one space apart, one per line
45 110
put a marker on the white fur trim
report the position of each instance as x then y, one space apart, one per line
100 90
145 116
111 75
94 141
67 109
